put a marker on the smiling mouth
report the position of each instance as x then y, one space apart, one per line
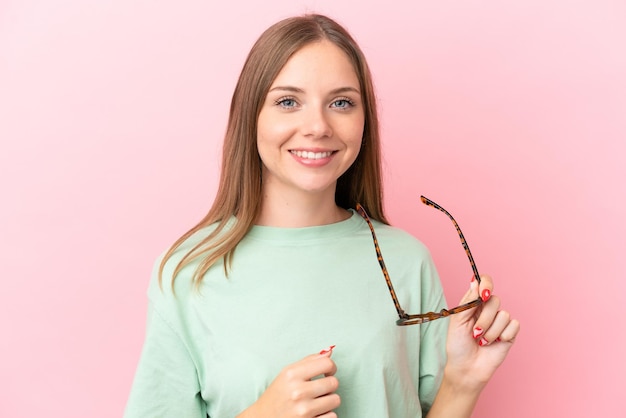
309 155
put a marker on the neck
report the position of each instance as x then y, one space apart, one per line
301 212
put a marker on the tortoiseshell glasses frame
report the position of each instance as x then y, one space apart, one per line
412 319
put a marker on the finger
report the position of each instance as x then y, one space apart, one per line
328 351
486 287
310 367
499 324
322 365
467 317
471 294
486 317
324 405
510 332
327 415
322 386
330 368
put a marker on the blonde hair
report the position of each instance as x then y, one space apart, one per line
239 191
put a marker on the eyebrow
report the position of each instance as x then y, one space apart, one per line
293 89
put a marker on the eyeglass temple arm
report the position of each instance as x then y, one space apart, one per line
429 202
403 315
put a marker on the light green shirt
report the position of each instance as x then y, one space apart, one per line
292 292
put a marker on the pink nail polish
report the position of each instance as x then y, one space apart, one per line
478 331
327 350
486 295
483 342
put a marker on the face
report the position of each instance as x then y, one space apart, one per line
311 124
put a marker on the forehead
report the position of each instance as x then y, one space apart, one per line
320 63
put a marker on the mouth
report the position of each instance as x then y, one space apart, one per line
310 155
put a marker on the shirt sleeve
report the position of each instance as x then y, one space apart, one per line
166 382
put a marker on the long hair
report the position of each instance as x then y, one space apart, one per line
239 191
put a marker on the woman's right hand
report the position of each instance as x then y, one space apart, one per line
304 389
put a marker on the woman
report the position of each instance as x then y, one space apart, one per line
282 265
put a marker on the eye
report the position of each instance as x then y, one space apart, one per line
286 102
342 103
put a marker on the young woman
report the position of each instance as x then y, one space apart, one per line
283 266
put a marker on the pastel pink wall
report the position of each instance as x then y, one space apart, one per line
511 114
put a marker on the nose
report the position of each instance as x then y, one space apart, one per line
316 124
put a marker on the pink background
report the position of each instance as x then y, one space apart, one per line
511 114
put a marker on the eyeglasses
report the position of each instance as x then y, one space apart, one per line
412 319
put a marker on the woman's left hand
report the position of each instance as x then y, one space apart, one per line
479 339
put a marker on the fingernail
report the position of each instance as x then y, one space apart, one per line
473 278
486 295
327 350
498 339
478 331
483 342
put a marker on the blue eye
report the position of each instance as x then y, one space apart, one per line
342 103
286 102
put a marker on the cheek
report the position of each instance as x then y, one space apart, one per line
273 130
271 134
262 125
353 132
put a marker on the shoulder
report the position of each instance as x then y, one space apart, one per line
164 288
399 239
404 254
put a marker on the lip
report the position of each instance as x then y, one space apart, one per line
313 149
304 156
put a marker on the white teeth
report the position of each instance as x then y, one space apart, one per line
312 155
